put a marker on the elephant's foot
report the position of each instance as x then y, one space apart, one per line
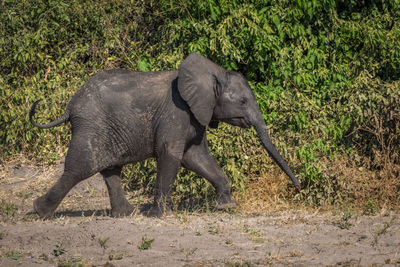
43 208
156 211
121 211
225 202
224 206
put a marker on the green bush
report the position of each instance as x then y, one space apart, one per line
325 73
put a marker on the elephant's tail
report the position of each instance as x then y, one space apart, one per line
63 118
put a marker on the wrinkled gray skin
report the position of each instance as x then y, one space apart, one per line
122 116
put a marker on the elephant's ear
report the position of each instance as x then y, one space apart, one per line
199 83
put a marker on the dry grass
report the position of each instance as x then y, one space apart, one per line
366 188
269 192
381 188
359 188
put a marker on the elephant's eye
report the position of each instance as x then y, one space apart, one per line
243 101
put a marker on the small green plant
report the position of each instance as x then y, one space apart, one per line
145 243
90 190
115 256
181 217
212 229
7 209
387 225
193 250
59 249
239 263
74 262
189 251
370 207
44 257
14 255
24 195
103 241
268 260
254 234
383 231
198 233
345 220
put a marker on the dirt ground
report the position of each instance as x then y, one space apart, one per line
82 234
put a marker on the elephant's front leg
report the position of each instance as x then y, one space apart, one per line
167 168
119 204
198 159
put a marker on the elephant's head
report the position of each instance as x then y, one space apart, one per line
215 94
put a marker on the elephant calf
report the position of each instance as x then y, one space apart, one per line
122 116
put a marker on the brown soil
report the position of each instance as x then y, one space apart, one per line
83 233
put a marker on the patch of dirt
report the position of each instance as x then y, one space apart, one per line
82 233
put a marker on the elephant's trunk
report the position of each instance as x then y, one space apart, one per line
262 131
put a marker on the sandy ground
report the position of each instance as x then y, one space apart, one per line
82 234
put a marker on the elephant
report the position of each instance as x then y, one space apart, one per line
122 116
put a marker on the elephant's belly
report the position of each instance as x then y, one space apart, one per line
133 147
138 154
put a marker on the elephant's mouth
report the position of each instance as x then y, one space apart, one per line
238 121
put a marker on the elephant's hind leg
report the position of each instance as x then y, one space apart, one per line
119 204
79 165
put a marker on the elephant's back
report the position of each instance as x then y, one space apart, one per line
120 92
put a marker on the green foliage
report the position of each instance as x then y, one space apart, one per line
370 207
238 263
325 73
14 255
145 243
345 220
59 249
375 105
103 241
114 255
7 209
73 262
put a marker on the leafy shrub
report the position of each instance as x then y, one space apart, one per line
376 106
